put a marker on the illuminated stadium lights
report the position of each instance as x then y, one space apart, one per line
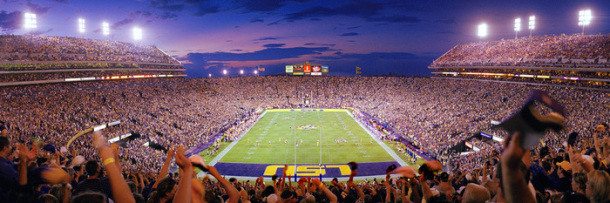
209 75
81 25
137 33
241 72
105 28
30 21
517 26
532 24
255 72
482 31
224 72
584 19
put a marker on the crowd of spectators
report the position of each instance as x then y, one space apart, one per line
545 51
432 114
55 48
19 77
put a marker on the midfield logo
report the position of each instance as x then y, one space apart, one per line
308 170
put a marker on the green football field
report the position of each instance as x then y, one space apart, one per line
333 133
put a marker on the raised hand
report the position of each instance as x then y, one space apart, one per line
181 160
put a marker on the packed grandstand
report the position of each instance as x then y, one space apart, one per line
51 59
428 116
580 60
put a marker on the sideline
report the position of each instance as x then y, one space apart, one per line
226 150
383 145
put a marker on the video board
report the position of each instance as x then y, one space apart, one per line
307 69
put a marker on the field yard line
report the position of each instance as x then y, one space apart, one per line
385 147
226 150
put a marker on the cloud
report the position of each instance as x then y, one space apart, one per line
264 5
205 10
273 45
349 34
167 5
39 10
140 14
172 8
153 16
273 23
257 20
66 2
318 44
396 19
266 38
370 11
265 54
10 21
121 23
168 16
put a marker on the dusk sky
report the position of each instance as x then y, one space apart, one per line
380 36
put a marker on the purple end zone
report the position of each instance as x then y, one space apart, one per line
330 170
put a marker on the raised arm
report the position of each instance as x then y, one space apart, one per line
231 191
165 168
120 190
329 194
183 194
515 187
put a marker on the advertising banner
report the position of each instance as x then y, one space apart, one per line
288 68
324 69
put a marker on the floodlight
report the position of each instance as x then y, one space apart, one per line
517 26
30 20
105 28
482 30
584 19
209 75
137 33
81 25
255 72
241 72
532 23
224 72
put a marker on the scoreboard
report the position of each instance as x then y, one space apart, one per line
306 69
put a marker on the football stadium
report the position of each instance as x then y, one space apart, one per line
89 115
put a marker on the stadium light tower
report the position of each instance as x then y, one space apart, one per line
584 19
30 21
482 31
105 28
532 24
81 26
517 26
137 33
